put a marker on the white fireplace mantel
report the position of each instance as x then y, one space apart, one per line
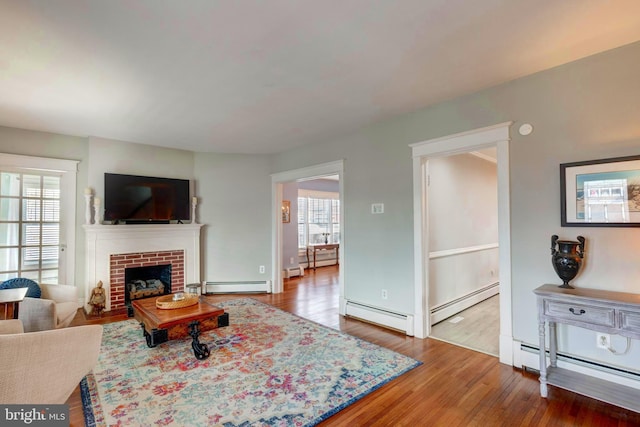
102 241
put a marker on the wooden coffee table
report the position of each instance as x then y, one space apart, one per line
162 325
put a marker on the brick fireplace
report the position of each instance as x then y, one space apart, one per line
109 249
118 263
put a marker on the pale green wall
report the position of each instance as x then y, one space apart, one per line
235 205
234 194
378 249
585 110
112 156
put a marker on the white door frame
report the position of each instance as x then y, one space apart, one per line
491 136
277 181
67 170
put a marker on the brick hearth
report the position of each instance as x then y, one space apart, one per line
118 263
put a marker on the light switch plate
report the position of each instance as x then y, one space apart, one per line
377 208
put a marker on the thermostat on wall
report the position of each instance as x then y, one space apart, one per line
377 208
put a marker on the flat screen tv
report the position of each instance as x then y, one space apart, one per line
145 199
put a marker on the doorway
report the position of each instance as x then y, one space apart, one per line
279 181
311 231
498 136
463 256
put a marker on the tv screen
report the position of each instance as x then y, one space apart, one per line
145 199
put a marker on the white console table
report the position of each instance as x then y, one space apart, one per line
615 313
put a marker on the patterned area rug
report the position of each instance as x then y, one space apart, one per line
268 367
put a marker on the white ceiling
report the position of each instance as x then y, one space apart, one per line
265 76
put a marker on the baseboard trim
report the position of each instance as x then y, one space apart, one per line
398 321
451 308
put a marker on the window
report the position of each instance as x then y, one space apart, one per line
318 218
37 218
30 221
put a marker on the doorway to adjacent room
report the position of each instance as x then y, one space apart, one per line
319 227
464 249
464 142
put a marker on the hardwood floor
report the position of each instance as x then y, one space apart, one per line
453 387
477 327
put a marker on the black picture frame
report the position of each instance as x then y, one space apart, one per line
600 193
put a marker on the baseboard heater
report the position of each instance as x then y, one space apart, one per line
236 287
532 362
455 306
293 271
389 319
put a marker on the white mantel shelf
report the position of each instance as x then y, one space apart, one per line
108 229
102 241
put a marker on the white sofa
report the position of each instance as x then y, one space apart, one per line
55 309
45 367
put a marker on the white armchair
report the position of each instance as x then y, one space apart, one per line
45 367
55 309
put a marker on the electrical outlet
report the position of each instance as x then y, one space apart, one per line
291 261
383 294
604 341
261 269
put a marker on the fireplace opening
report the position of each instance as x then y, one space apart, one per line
146 282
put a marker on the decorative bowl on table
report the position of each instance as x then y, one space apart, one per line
182 300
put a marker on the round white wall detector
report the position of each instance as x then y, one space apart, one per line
525 129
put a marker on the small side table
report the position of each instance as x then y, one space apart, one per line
10 301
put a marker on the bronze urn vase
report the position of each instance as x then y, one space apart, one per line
567 258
